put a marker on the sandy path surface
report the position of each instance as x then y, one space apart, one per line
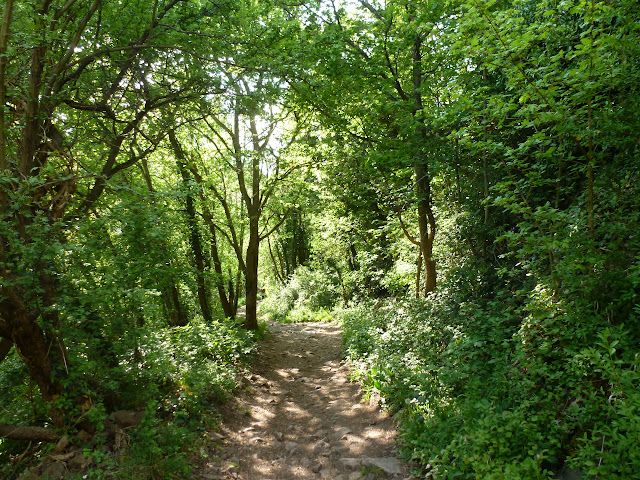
297 416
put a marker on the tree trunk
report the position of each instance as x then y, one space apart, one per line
194 234
352 258
170 293
430 279
175 312
238 288
418 273
34 347
253 203
426 225
278 269
251 278
225 301
426 220
4 40
32 434
5 348
229 306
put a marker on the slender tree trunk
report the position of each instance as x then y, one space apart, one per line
426 219
345 295
4 41
238 288
225 301
418 273
173 306
34 347
170 293
194 235
426 225
352 259
278 269
254 205
251 278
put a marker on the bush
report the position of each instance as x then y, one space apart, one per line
178 373
502 388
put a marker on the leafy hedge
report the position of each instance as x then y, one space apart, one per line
503 389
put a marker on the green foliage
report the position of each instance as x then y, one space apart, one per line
160 449
197 360
610 448
309 296
494 390
179 374
523 364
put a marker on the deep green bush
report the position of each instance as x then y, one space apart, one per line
512 387
178 374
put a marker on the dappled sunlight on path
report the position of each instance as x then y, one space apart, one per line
299 417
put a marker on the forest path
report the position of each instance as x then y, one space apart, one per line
298 417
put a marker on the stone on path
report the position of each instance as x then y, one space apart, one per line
349 462
341 433
390 465
307 420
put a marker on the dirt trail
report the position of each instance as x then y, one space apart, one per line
298 417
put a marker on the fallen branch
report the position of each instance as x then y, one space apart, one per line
34 434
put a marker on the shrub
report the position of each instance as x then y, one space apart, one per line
503 388
179 373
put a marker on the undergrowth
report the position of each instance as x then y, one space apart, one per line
507 388
309 296
177 376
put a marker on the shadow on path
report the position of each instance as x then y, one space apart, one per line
297 416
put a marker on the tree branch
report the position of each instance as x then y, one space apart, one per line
4 41
277 225
411 238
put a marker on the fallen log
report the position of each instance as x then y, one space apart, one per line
34 434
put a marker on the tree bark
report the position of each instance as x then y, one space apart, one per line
254 210
418 273
32 434
171 299
426 225
226 301
34 347
4 41
194 235
426 219
278 269
5 348
251 278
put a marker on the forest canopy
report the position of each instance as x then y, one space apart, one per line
457 182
